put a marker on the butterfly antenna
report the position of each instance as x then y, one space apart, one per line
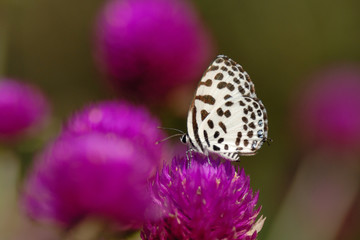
167 138
178 130
269 140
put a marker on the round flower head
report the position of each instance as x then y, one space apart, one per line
96 169
118 118
148 47
203 202
22 107
328 112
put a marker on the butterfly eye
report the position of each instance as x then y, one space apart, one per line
183 138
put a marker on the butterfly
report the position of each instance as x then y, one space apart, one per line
226 117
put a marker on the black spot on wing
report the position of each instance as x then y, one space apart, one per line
241 90
252 116
207 83
219 76
227 96
204 114
247 85
206 99
223 127
259 113
230 87
213 68
229 103
244 119
237 81
196 128
219 60
206 138
238 139
227 113
221 85
210 123
216 148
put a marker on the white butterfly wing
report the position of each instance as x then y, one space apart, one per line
225 75
237 127
223 80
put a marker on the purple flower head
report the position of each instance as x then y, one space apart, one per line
22 107
148 47
328 112
98 167
203 202
118 118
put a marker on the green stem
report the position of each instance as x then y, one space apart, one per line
3 43
324 189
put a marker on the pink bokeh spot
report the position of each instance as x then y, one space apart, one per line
329 109
98 167
148 47
22 107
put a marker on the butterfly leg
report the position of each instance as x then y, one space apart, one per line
208 158
207 155
189 152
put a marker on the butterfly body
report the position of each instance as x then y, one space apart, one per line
225 116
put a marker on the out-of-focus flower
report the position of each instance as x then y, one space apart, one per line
22 107
120 119
328 111
148 47
98 167
203 202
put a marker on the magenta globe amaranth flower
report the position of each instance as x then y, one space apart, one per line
88 175
203 202
98 167
148 47
22 107
120 119
328 111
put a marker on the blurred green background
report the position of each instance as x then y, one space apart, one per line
279 43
